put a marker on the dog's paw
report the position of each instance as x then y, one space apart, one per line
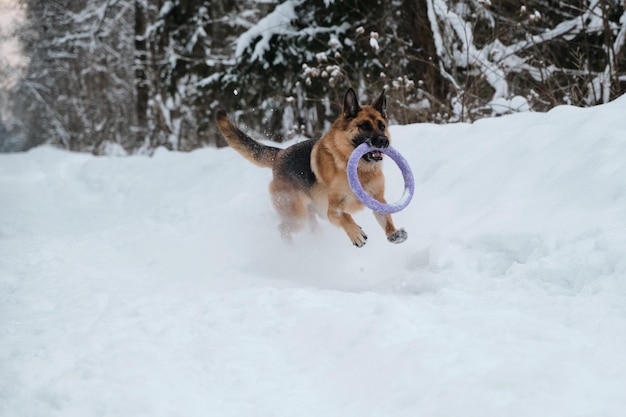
360 239
398 236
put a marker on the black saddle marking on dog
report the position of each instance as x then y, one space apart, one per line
295 164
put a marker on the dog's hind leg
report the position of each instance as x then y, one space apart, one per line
291 205
313 224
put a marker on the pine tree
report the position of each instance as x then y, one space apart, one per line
133 75
181 45
293 67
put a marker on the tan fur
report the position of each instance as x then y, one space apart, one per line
310 178
253 151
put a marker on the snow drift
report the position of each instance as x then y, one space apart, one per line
160 286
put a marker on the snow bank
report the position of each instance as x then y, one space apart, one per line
160 286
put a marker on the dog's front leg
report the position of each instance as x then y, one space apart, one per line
347 223
340 218
393 235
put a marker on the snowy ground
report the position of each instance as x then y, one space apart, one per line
160 286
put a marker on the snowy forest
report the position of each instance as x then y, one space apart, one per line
129 76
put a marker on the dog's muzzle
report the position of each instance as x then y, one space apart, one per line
377 141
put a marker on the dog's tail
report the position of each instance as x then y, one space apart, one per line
253 151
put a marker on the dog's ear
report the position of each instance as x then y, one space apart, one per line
381 104
350 104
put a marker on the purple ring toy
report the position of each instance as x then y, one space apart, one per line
363 196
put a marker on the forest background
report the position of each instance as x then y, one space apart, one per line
129 76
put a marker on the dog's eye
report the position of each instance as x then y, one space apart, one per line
381 126
366 126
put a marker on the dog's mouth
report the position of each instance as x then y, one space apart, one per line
377 142
373 156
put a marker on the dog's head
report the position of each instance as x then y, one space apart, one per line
366 124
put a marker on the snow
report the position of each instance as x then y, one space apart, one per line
514 104
159 286
277 22
374 41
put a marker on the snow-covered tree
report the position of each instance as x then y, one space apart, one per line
133 75
293 66
440 60
503 55
179 44
78 89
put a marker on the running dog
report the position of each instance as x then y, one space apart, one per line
310 178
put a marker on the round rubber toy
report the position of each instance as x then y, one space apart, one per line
363 196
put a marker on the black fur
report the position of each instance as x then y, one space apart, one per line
381 104
295 163
351 106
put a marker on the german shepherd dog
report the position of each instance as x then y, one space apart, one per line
310 178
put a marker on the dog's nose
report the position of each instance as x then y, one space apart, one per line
379 141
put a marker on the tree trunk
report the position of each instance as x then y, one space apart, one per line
141 79
417 26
